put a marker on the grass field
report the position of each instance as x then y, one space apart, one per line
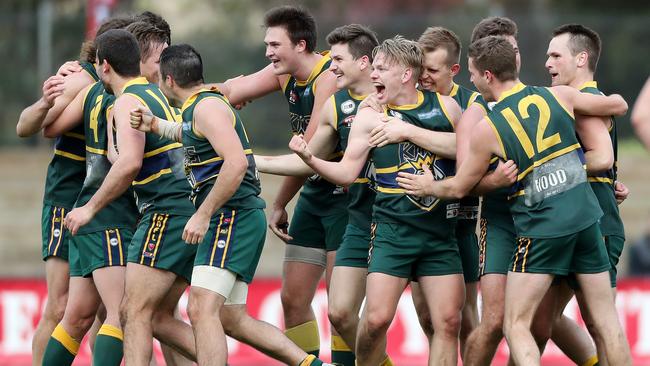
21 192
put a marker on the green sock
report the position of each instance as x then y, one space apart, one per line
108 349
342 355
61 349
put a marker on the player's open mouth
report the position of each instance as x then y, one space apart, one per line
380 90
554 75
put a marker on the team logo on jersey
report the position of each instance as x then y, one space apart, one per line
221 244
412 158
396 114
299 123
113 242
347 122
293 97
56 233
430 114
348 107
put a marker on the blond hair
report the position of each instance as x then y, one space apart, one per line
402 51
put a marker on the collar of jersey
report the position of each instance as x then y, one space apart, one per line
188 102
454 90
515 89
355 96
589 84
141 80
316 70
409 106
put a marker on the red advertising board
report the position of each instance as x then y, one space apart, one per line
22 301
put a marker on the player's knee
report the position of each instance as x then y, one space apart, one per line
340 317
492 324
293 303
426 323
78 323
232 321
377 322
448 324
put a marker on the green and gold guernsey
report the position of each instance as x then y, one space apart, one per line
67 169
122 212
203 164
319 196
161 185
361 194
468 212
429 214
603 183
552 197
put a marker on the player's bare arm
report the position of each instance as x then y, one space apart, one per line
143 120
322 144
484 144
590 104
641 115
596 142
347 170
70 117
249 87
130 144
214 120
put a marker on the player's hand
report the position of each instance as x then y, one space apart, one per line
299 146
505 174
77 218
416 184
69 67
371 102
620 192
241 105
52 88
142 119
195 229
279 223
391 131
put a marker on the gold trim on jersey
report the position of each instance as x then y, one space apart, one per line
69 155
497 135
96 151
444 110
355 96
409 106
570 113
454 89
315 71
225 249
159 150
332 99
152 177
140 80
165 106
515 89
390 190
361 180
543 160
218 158
600 180
588 84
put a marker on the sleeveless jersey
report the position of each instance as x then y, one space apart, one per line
361 193
468 205
160 186
203 164
122 212
429 214
319 196
551 197
603 183
67 169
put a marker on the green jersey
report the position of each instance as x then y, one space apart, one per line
468 205
203 164
361 193
121 212
603 183
430 214
551 197
318 195
67 169
161 185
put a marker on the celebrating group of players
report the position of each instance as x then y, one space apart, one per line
391 155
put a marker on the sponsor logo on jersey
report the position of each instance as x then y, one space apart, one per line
348 107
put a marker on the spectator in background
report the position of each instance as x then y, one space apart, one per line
641 115
640 254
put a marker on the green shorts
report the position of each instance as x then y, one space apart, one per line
614 245
55 238
497 242
106 248
313 231
581 252
468 248
353 251
234 241
158 243
405 252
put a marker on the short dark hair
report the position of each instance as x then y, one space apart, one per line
361 40
582 39
434 38
147 36
121 50
494 26
298 23
183 63
495 54
157 21
88 50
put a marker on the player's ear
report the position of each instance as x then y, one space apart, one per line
455 69
364 62
301 46
407 75
582 58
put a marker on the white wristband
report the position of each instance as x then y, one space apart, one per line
170 130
